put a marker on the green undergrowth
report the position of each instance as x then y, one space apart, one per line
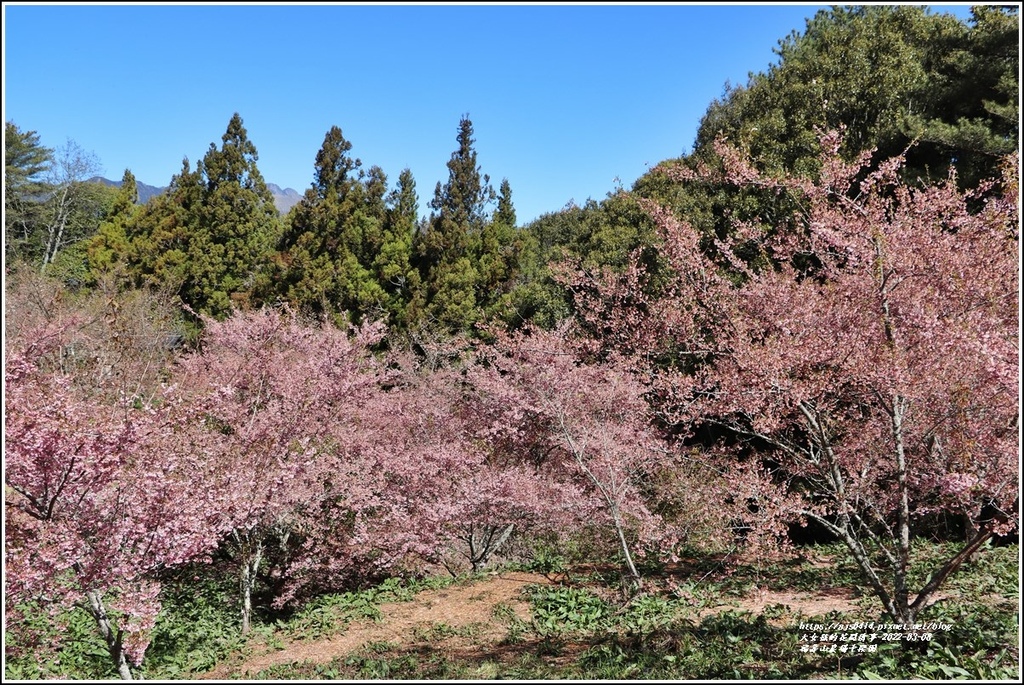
581 628
199 626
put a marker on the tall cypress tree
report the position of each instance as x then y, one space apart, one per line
307 269
239 217
209 236
325 260
463 199
447 250
505 214
393 265
108 250
500 249
363 234
160 237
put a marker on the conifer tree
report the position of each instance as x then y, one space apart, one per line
108 250
890 75
505 214
393 264
327 255
364 295
161 234
239 217
306 270
462 202
208 237
25 162
446 251
500 249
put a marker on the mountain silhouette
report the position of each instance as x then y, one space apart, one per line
284 198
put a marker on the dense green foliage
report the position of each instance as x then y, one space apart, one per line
207 238
889 74
50 208
105 250
334 235
894 77
466 257
25 162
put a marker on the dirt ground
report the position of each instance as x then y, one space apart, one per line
470 628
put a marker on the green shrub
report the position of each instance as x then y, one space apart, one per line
564 609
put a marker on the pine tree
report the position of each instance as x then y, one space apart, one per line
25 162
209 236
890 75
463 200
108 250
447 251
971 111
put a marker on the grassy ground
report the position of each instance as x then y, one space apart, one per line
700 620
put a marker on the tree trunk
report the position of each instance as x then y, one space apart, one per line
900 590
246 598
55 231
250 566
636 582
484 544
111 636
608 493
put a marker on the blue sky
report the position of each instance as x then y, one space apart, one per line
567 101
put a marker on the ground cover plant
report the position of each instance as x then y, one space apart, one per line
697 620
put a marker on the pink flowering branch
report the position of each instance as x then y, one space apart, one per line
876 353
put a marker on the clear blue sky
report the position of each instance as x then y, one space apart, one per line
564 99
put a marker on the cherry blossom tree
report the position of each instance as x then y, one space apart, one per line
361 525
416 483
273 399
870 353
590 421
488 490
95 504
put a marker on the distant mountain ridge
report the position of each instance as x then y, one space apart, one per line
284 198
146 192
